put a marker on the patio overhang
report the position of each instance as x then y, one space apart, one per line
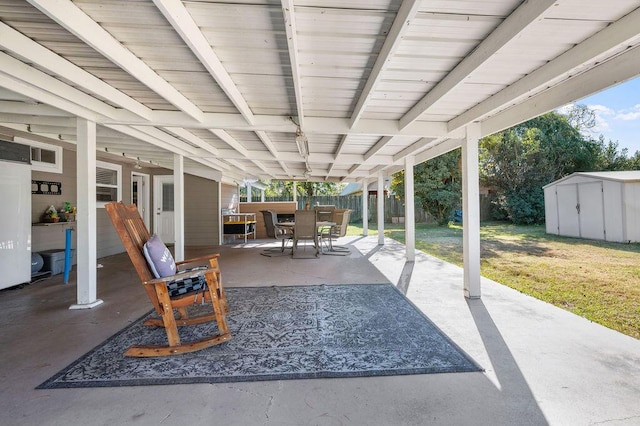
220 89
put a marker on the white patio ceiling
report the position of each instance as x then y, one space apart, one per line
224 83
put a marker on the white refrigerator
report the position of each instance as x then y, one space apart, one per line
15 226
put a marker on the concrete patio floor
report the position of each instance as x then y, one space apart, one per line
543 365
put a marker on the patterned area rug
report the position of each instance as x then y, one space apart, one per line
284 333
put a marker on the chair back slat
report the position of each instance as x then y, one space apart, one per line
134 234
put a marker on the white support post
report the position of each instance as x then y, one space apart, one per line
86 276
262 195
295 193
409 210
365 207
249 188
380 208
219 212
178 205
471 212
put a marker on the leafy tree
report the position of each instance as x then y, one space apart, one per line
278 188
519 161
437 185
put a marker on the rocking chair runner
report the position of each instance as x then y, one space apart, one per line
134 234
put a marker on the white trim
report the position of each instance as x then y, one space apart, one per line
118 185
40 166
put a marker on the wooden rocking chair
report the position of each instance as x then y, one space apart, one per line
134 235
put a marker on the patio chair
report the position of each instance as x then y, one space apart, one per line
275 231
193 281
324 212
328 234
305 229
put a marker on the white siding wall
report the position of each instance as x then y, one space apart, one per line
613 217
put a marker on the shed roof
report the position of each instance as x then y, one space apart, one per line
618 176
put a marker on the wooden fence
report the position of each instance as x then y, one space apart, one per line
393 208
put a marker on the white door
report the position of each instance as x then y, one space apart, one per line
568 211
591 201
140 195
163 224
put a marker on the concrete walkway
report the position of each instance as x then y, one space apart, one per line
543 365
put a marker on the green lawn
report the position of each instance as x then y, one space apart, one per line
597 280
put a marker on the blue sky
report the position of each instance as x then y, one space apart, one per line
618 114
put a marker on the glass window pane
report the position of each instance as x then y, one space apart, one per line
47 156
167 197
106 194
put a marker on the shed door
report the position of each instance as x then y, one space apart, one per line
568 214
591 210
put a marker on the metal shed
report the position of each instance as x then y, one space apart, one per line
595 205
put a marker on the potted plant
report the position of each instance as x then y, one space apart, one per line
51 215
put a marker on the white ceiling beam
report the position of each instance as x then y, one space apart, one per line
413 148
526 14
268 143
616 70
40 95
193 139
377 147
405 15
74 20
14 107
36 78
292 43
180 19
38 119
438 149
270 123
35 53
176 147
379 127
596 48
231 141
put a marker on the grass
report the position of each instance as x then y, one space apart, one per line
597 280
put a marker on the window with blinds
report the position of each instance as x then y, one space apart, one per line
108 183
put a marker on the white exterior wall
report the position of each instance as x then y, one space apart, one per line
551 210
613 207
632 212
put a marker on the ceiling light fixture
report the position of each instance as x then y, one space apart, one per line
303 143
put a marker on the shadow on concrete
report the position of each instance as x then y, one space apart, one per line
513 385
405 277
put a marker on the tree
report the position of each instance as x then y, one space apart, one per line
519 161
437 185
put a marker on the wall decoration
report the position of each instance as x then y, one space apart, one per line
43 187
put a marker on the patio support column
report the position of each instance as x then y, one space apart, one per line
380 208
249 188
409 210
295 193
86 269
262 195
365 207
219 212
471 212
178 205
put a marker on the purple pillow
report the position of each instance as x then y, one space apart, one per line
159 257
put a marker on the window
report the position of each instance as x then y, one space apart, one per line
108 183
44 157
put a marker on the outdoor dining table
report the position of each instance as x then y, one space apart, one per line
319 225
